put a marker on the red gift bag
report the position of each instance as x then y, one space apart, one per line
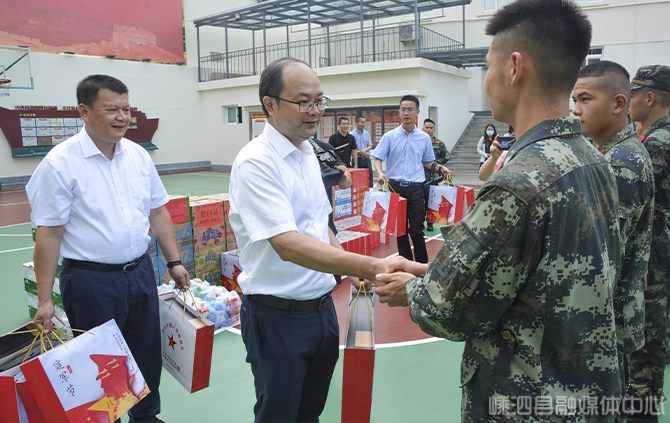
12 409
93 378
187 340
384 212
359 358
449 203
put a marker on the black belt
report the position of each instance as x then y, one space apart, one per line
103 267
285 304
407 184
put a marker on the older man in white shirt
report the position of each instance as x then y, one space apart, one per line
94 197
279 212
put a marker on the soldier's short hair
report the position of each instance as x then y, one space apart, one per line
425 121
272 79
663 97
555 34
613 78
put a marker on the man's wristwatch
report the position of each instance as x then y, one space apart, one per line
172 264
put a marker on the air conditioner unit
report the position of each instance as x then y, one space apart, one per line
406 33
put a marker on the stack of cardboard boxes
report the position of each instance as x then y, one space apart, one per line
231 242
209 235
360 184
30 283
180 213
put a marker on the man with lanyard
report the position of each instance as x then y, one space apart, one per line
649 104
344 143
441 157
94 197
407 151
279 212
333 173
363 145
601 96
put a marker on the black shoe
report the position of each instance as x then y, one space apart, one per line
430 227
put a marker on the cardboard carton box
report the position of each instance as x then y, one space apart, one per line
179 208
211 276
160 265
205 260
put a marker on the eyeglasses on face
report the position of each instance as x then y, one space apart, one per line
307 106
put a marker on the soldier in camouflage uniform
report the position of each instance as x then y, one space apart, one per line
527 278
650 101
602 98
442 155
441 158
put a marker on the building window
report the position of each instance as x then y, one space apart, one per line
595 55
233 114
493 5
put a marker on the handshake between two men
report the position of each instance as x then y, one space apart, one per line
390 286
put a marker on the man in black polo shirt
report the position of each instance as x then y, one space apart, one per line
344 143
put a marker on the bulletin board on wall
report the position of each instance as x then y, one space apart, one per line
257 123
379 120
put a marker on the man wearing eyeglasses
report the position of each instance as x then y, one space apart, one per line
279 212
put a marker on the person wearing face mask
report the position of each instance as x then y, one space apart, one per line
484 144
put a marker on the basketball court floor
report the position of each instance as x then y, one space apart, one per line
417 377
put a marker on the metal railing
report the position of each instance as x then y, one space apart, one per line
329 50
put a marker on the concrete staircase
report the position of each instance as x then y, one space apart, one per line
464 162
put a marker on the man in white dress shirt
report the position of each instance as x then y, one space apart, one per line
94 197
279 212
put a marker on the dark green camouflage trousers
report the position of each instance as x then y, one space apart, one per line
647 365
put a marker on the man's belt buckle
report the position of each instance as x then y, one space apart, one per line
133 264
324 302
405 184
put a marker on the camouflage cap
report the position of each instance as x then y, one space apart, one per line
652 76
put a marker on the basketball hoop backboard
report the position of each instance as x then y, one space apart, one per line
15 66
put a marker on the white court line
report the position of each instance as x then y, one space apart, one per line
16 249
16 224
13 204
16 234
377 346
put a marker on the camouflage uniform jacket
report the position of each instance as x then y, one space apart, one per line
656 140
635 185
527 280
442 156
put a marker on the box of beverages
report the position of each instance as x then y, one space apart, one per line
179 208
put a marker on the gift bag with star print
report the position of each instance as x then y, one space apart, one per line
92 378
187 340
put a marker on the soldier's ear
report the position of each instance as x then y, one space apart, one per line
620 104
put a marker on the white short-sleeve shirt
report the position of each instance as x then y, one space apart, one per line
104 204
277 188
